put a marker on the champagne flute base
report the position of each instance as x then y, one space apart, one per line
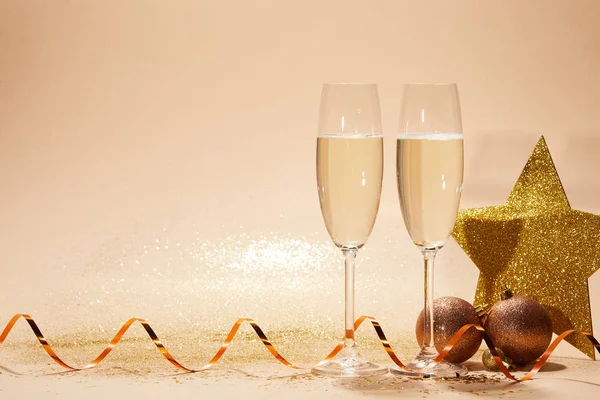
442 369
349 368
349 364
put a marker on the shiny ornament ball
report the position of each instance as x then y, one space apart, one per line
520 327
488 360
450 314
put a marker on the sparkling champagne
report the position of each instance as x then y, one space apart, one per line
349 175
430 177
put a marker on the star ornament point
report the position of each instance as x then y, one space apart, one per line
538 246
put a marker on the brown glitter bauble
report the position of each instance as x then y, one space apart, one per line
520 327
450 314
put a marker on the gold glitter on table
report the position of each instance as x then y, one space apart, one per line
537 245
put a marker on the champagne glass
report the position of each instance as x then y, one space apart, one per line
429 157
349 176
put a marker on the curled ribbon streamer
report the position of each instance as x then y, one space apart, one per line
542 360
259 332
157 342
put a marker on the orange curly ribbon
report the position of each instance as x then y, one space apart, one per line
259 332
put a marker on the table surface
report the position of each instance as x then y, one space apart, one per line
563 378
247 370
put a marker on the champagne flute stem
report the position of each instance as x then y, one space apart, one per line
350 257
428 345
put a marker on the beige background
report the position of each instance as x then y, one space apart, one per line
157 158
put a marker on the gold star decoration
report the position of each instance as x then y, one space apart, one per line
538 246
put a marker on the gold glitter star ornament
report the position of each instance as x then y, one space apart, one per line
537 245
